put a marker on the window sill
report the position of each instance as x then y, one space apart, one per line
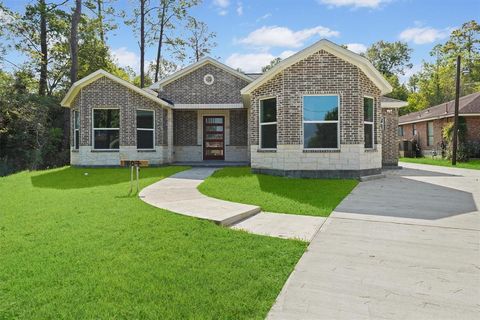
146 150
100 151
267 150
321 150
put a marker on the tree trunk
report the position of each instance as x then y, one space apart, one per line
160 40
42 85
74 41
142 43
100 20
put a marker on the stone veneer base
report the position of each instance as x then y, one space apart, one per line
327 174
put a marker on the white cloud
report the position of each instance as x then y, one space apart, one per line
353 3
253 62
274 36
221 3
422 35
239 8
127 58
287 53
222 6
265 16
357 47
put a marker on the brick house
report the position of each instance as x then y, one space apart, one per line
426 125
318 113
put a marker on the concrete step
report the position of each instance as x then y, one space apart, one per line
239 217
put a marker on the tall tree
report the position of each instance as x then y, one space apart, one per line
77 12
42 85
200 41
169 10
272 64
142 43
389 57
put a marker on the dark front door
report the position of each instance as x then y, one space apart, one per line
213 138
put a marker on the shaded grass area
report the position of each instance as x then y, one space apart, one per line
472 164
316 197
78 247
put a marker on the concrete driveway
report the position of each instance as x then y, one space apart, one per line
403 247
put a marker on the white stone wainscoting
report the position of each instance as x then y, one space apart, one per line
86 156
293 157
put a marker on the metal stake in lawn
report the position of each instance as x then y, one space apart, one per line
137 167
455 121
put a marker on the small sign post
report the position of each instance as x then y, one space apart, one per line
134 164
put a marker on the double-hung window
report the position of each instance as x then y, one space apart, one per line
76 129
106 129
430 133
400 131
145 129
320 122
368 121
268 123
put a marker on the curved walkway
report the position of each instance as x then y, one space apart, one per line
179 194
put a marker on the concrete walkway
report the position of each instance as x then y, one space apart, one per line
179 194
403 247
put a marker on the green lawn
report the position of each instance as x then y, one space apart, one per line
316 197
75 246
472 164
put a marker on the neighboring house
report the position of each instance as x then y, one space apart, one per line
426 125
318 113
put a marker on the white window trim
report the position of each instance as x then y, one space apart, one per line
75 129
93 128
323 121
260 123
370 122
146 129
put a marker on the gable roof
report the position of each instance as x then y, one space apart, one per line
195 66
467 105
332 48
77 86
386 102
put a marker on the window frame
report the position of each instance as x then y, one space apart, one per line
428 134
93 129
369 122
145 129
323 121
75 129
260 124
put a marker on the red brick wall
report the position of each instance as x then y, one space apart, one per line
473 127
473 131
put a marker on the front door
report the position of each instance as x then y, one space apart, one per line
213 138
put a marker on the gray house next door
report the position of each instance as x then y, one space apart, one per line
213 138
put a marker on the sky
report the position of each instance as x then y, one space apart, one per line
250 33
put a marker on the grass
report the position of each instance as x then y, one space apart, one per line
316 197
472 164
75 246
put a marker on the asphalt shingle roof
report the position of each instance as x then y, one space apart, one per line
469 104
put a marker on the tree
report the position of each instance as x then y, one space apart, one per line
200 41
435 82
169 10
389 57
74 41
272 64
